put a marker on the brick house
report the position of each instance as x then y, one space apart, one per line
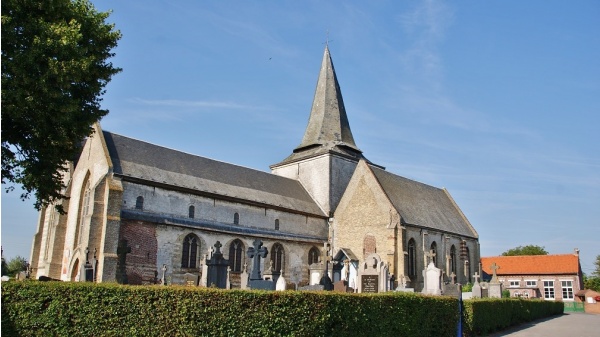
551 277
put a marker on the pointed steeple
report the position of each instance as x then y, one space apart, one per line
328 130
328 123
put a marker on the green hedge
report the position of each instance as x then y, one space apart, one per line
86 309
483 316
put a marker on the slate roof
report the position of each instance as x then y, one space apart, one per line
423 205
141 160
328 129
532 264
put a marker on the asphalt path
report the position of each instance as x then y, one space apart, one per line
570 325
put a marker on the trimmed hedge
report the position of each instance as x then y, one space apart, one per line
87 309
483 316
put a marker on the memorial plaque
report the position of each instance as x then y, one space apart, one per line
370 283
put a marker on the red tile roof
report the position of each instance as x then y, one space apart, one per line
532 264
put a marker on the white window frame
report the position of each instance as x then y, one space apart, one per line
534 285
550 290
514 283
563 289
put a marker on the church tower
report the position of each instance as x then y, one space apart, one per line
327 156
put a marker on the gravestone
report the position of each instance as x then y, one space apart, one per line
217 269
244 277
280 285
316 272
403 282
163 281
432 276
370 275
495 287
122 250
342 287
476 287
204 275
256 252
190 280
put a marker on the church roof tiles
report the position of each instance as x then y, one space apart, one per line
135 159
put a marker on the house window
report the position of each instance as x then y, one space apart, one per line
277 256
190 251
139 203
236 250
453 259
276 224
236 219
433 250
514 283
531 283
313 255
567 289
548 290
191 212
412 258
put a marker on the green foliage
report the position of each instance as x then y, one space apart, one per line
526 250
596 272
54 70
483 316
505 293
467 288
35 308
592 283
15 265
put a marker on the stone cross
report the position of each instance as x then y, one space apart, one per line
494 267
218 246
255 253
430 255
476 277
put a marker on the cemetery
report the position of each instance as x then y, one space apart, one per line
265 306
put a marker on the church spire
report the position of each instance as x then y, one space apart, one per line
328 123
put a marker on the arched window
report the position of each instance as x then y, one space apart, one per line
189 254
277 256
412 258
236 219
453 259
276 224
84 207
369 245
433 249
313 255
191 211
139 203
236 250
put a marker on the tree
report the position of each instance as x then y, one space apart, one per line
596 272
54 70
16 265
526 250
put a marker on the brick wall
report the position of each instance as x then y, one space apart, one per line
141 262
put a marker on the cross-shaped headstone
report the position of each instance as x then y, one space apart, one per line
218 246
255 253
476 277
430 255
494 267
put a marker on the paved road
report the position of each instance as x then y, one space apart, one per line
569 325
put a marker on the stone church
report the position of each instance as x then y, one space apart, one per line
138 212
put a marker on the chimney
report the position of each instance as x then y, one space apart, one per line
576 251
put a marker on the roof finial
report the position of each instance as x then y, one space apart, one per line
327 38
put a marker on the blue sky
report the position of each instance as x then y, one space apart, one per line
497 101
